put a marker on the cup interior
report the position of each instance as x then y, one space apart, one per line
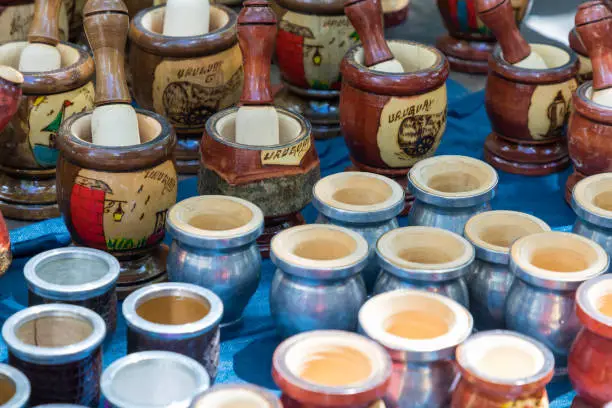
8 389
153 20
413 57
594 194
148 128
218 214
554 57
10 54
173 309
231 398
289 128
54 331
71 269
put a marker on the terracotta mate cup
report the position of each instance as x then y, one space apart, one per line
185 79
390 121
470 43
28 145
528 108
116 198
311 42
278 179
590 126
16 17
329 368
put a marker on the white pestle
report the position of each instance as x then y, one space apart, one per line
603 97
41 53
533 61
37 57
185 18
114 125
391 66
257 126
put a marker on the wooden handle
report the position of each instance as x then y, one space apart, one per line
367 18
106 25
594 26
498 16
45 23
256 35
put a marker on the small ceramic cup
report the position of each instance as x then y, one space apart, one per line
212 233
236 395
502 368
448 190
592 203
549 267
78 276
153 379
425 258
366 203
329 368
420 331
14 388
177 317
590 358
58 347
321 266
492 234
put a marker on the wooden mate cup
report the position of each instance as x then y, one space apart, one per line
470 43
311 42
590 126
391 121
28 144
116 198
185 79
528 108
395 12
278 179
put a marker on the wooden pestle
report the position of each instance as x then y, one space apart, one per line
367 18
498 16
594 26
41 54
184 18
257 119
114 121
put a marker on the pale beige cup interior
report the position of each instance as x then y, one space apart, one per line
378 313
559 256
335 360
358 191
10 53
497 230
8 389
154 20
232 398
594 194
289 129
319 245
425 248
148 128
599 296
413 57
54 331
554 57
453 176
216 216
501 356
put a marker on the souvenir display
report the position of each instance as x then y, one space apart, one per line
236 395
425 258
420 331
78 276
366 203
212 233
177 317
470 43
449 190
328 368
528 97
185 79
549 267
321 266
59 348
14 388
492 233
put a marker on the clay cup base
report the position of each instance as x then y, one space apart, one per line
27 198
526 158
274 225
574 178
400 176
396 17
466 56
141 272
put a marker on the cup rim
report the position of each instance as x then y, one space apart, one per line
22 386
270 400
585 208
586 298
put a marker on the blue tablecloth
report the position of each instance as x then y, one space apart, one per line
246 354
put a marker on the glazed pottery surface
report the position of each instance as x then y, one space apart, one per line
29 142
185 79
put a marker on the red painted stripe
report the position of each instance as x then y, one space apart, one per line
472 14
452 8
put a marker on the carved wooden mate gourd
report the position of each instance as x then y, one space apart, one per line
185 79
590 126
278 179
528 107
311 42
28 144
390 121
470 43
16 17
116 198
